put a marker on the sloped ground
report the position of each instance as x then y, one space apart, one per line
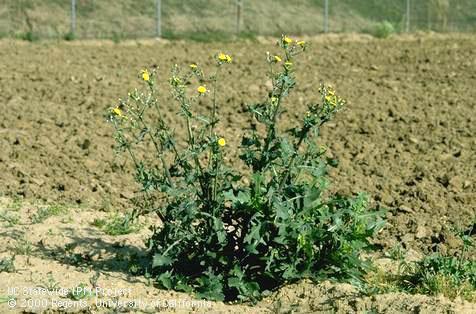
407 137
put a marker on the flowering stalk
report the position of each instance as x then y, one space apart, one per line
221 143
214 119
214 112
213 156
123 140
146 76
159 152
271 134
297 146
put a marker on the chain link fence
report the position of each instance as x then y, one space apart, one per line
213 19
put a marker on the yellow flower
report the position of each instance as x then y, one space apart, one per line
331 99
201 89
288 64
193 66
221 141
145 75
117 112
224 58
287 40
301 43
277 59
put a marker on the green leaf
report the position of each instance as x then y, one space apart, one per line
243 197
235 282
210 287
165 280
183 287
318 170
257 180
203 119
252 248
289 272
220 230
282 211
313 195
254 234
287 151
161 260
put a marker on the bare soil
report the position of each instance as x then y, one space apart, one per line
407 138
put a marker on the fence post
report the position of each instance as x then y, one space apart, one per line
73 17
407 20
238 15
158 16
326 16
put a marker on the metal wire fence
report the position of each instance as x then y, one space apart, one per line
214 18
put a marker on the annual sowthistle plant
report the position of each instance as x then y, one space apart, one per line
227 234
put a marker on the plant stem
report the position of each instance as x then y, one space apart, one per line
172 245
191 142
287 170
119 132
272 126
162 122
159 152
215 180
214 113
211 154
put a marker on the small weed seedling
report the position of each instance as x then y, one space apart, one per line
15 204
50 284
94 279
7 265
11 218
117 224
24 247
45 212
80 292
70 257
